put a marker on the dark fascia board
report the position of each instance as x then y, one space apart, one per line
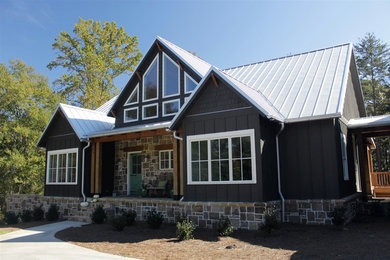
193 96
357 89
141 64
59 111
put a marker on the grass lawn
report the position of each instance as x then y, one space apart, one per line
4 229
355 241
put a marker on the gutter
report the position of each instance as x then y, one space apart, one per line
84 203
278 165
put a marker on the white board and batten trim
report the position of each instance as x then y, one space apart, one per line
57 152
221 135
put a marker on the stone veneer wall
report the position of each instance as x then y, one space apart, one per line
151 172
204 214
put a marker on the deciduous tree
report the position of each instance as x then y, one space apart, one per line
93 56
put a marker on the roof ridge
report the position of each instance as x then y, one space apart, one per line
200 59
287 56
85 109
262 95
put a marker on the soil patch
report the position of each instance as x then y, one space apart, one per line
356 241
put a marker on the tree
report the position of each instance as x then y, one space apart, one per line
372 58
27 103
373 62
93 56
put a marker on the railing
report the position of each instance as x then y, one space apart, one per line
381 184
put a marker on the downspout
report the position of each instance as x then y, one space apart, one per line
84 203
180 139
278 165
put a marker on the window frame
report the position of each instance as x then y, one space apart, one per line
135 102
185 83
149 105
170 160
124 114
58 152
170 101
163 77
143 80
222 135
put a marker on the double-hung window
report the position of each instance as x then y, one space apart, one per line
166 160
62 166
221 158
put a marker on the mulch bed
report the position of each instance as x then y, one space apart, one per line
356 241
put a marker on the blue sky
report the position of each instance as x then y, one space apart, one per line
224 33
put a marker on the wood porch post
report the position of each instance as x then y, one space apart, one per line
175 169
98 168
364 165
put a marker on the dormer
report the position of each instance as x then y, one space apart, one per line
160 85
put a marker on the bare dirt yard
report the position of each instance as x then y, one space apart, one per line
4 229
355 241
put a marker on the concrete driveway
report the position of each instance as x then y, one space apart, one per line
39 243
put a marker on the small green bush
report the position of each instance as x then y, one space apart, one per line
338 216
130 216
52 213
118 222
184 230
11 218
99 216
26 215
38 213
270 220
224 227
154 218
2 220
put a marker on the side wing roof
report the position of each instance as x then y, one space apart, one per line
84 122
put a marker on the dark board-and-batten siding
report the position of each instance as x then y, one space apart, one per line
310 161
61 136
219 109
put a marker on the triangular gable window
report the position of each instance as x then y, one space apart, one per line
190 83
133 98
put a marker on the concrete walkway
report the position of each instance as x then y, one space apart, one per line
39 243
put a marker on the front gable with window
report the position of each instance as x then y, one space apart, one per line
156 91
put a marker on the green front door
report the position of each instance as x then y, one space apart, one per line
134 174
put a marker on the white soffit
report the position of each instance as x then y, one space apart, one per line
310 84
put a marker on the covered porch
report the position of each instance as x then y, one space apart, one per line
143 163
374 182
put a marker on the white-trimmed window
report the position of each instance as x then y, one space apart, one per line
171 77
189 83
130 114
171 107
133 98
150 111
62 166
150 81
221 158
166 160
344 156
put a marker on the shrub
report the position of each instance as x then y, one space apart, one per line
52 213
270 220
37 213
118 222
224 227
2 220
184 230
130 216
99 215
338 216
154 218
26 215
180 218
11 218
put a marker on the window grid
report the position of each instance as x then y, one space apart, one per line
166 160
62 167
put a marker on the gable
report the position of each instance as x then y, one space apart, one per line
58 126
156 90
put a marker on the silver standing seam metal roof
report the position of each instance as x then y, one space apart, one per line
106 107
306 85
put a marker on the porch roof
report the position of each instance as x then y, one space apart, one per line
131 129
371 126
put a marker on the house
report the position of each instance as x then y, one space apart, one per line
268 131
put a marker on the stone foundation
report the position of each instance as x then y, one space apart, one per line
204 214
151 172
